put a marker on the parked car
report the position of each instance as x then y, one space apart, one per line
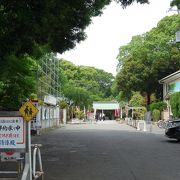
173 129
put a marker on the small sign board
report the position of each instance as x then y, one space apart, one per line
28 111
12 133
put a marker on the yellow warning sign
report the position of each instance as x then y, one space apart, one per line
28 110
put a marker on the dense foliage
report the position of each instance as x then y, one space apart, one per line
29 29
137 100
148 58
158 105
17 81
83 85
58 24
175 104
156 114
175 3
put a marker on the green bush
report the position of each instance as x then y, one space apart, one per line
175 104
33 96
158 105
139 113
156 114
63 104
79 114
137 99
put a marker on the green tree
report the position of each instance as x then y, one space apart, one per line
148 58
17 81
175 3
59 24
137 100
84 84
33 28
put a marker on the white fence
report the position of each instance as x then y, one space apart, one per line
140 125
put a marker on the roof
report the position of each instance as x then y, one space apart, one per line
170 78
106 105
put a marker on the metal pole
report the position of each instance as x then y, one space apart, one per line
29 144
28 147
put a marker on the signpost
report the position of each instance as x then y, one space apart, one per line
15 135
28 111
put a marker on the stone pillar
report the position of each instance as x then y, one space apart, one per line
94 113
64 116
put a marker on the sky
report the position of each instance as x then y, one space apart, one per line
115 28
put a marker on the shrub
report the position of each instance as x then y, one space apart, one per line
175 104
137 100
33 96
63 104
156 114
139 113
79 114
158 105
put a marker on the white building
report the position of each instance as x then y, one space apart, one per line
106 110
171 84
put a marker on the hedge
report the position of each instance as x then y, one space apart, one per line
158 105
175 104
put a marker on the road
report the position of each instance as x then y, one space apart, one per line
108 152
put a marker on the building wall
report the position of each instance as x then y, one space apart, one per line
169 87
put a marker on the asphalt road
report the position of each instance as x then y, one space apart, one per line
108 152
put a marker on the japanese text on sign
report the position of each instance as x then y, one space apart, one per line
12 133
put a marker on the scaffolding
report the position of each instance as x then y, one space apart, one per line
48 76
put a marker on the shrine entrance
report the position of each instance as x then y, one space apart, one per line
106 110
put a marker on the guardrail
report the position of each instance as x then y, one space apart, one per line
140 125
131 122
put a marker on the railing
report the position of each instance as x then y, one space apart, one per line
37 173
131 122
140 125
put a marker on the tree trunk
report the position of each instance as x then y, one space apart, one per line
148 98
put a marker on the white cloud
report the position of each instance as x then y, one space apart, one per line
113 29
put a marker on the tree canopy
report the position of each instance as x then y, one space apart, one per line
83 84
148 58
175 3
30 29
17 81
57 24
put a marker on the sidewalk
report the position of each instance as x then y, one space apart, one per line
151 128
157 130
